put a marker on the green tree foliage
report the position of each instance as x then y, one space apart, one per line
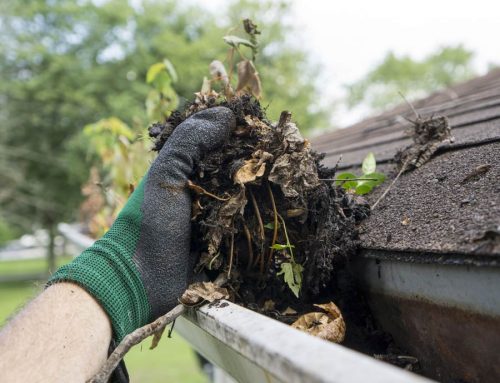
381 86
7 232
67 64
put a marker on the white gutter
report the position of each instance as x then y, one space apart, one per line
253 348
74 236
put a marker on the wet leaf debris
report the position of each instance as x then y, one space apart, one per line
261 213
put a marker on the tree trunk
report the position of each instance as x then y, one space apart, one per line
51 254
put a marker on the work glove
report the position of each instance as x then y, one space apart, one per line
140 267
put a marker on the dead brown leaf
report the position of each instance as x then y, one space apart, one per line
248 78
253 168
295 170
327 325
203 291
291 213
206 87
289 311
218 72
295 173
235 205
249 172
292 139
257 124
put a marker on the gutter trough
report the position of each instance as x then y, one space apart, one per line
253 348
445 314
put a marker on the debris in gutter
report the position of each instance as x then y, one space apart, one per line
203 291
490 240
407 362
328 324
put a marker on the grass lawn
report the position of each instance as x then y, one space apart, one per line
172 361
29 265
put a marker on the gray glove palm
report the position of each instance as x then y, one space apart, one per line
140 267
162 255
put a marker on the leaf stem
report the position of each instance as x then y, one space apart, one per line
249 244
231 255
257 214
198 189
403 169
288 244
275 234
348 179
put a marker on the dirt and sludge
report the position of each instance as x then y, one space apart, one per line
267 215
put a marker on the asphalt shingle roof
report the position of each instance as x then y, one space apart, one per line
449 206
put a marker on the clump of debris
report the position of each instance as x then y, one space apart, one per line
428 133
266 215
263 212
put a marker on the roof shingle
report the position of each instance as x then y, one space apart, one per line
442 207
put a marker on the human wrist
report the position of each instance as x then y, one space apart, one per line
107 271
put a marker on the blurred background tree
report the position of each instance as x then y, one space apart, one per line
413 78
67 64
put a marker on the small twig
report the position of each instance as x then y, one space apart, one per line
212 261
260 257
336 167
286 237
156 338
410 105
257 214
231 255
275 234
249 244
242 56
403 168
348 179
131 340
230 62
198 189
138 335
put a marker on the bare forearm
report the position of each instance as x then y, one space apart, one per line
61 336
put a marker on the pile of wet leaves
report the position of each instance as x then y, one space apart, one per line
266 213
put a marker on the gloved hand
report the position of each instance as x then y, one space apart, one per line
140 267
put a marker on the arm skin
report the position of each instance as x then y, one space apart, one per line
63 335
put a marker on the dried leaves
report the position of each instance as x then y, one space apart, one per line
295 170
427 134
248 79
292 168
327 325
218 72
253 168
225 216
236 41
203 291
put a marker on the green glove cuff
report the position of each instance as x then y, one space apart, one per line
106 270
